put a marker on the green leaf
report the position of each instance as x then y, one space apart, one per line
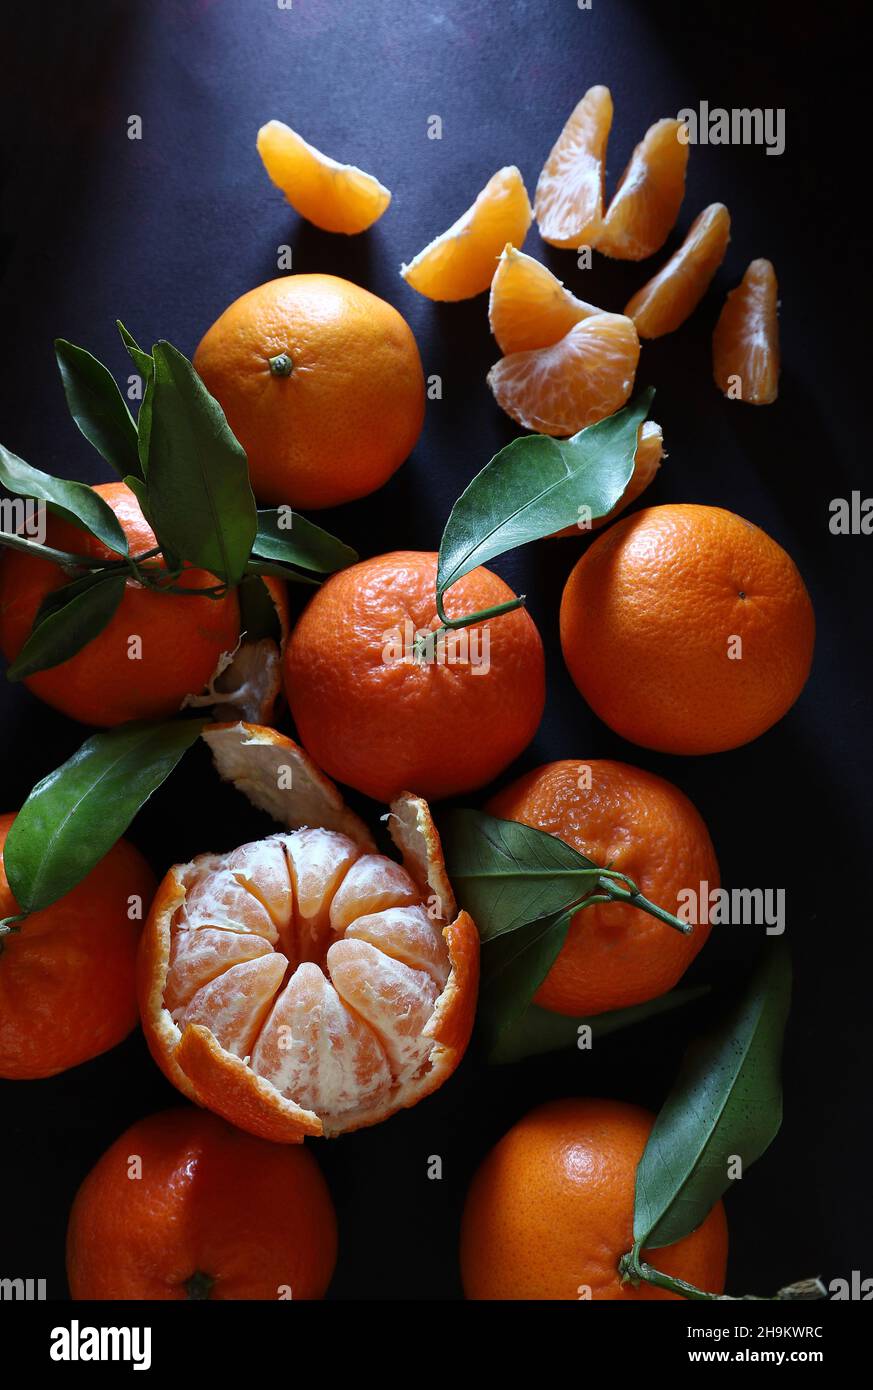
290 539
200 498
277 571
143 361
535 487
140 492
727 1101
540 1030
74 816
145 365
75 502
514 966
257 612
508 875
76 613
98 407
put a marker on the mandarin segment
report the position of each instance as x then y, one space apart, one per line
407 934
528 306
319 861
646 203
335 197
671 296
196 957
395 1000
460 263
559 390
647 461
233 1006
569 193
261 867
745 343
372 884
315 1049
216 898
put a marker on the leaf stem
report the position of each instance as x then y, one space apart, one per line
450 624
64 558
634 898
635 1270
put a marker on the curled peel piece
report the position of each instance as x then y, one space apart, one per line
305 984
247 682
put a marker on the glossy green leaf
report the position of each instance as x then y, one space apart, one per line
507 875
539 1030
276 571
98 407
257 612
535 487
291 539
74 816
142 360
727 1102
140 492
75 502
76 613
200 498
514 966
145 366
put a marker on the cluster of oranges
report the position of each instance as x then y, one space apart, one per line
307 984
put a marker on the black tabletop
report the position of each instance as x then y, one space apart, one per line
165 231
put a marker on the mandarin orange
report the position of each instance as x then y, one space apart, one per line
641 825
306 984
375 716
67 972
549 1213
183 1207
321 383
182 638
687 629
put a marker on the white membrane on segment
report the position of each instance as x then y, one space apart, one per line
367 964
314 1050
407 934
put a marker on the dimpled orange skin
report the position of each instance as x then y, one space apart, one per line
650 618
68 976
352 408
182 637
381 726
549 1213
643 826
254 1218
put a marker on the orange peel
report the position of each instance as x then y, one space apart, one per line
359 997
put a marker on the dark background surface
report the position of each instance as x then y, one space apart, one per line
165 232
